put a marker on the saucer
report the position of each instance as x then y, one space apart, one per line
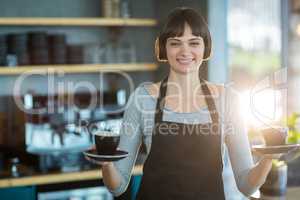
278 149
118 155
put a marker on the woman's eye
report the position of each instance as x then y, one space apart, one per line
174 44
195 44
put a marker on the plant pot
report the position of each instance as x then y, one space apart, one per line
293 173
276 182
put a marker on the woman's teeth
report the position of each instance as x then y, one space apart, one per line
184 61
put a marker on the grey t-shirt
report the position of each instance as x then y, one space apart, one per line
138 123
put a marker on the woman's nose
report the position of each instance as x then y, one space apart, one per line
184 49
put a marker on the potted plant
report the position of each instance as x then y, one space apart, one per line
294 132
293 158
276 182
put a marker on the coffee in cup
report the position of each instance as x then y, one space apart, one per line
106 142
275 135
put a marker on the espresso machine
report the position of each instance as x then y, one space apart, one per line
56 131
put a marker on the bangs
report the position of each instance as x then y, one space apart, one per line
177 21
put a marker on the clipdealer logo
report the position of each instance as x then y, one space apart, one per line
58 84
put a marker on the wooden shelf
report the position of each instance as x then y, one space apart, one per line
58 178
78 68
56 21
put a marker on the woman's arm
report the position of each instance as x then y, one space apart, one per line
258 174
237 143
249 177
111 176
116 175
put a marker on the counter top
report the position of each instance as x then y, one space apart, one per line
59 177
293 193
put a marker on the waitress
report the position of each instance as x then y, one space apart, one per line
190 127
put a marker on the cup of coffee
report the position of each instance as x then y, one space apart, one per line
275 135
106 138
106 142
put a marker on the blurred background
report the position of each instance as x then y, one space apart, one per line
67 63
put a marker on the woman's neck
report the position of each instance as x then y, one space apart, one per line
183 84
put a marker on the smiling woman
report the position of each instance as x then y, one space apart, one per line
187 136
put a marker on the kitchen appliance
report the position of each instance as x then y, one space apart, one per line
56 139
58 133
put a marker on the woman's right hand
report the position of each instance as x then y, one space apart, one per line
111 176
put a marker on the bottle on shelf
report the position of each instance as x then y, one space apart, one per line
124 9
111 8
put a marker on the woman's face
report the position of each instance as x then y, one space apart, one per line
185 53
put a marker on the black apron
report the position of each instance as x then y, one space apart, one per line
185 161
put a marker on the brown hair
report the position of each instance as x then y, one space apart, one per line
175 27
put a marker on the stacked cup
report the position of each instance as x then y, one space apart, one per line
17 46
57 48
3 49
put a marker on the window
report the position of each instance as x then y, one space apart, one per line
254 39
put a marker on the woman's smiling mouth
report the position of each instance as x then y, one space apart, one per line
185 61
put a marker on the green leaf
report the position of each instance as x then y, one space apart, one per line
292 120
293 133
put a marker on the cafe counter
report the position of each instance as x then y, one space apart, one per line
293 193
50 178
88 183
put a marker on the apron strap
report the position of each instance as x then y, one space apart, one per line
160 104
210 102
